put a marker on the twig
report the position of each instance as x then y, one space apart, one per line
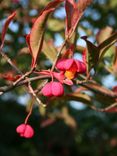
37 91
5 89
58 54
34 95
103 109
23 76
93 86
10 62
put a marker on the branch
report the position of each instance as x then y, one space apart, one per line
103 109
5 89
34 94
10 62
95 87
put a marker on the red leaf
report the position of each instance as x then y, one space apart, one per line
38 29
5 27
10 76
74 12
69 7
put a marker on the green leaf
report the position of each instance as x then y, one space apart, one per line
56 25
49 50
105 45
95 53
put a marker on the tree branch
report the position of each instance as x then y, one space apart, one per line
5 89
103 109
95 87
10 62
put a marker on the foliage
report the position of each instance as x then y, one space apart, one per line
30 53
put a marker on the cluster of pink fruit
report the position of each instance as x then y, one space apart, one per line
69 68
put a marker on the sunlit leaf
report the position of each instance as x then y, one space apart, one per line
95 53
106 44
103 34
49 50
38 29
56 25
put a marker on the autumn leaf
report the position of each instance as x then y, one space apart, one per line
49 50
38 30
69 7
96 53
106 44
74 12
5 27
92 54
10 76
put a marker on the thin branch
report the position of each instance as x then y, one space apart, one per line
10 62
23 77
58 54
34 95
103 109
5 89
95 87
15 84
